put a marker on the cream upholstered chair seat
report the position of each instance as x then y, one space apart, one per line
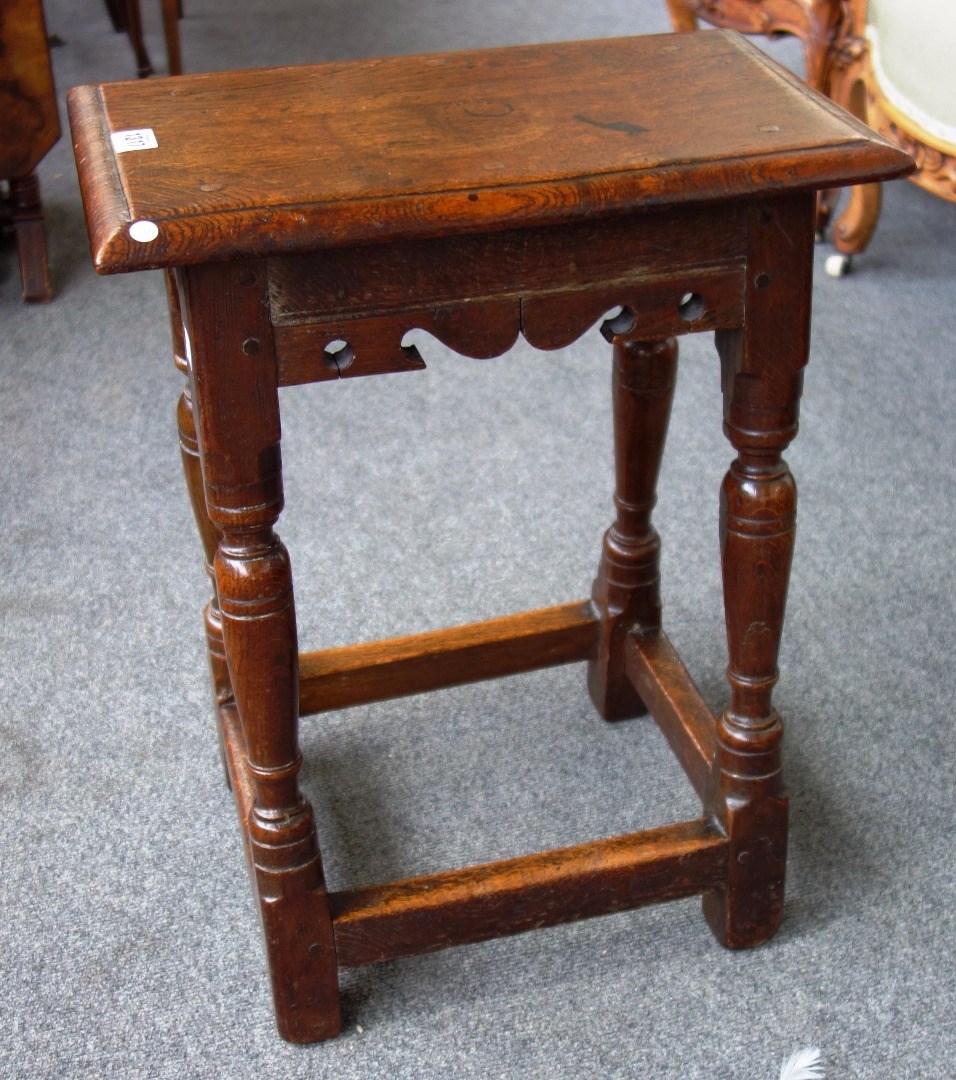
913 49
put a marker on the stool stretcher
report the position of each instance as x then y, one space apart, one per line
358 674
424 914
665 686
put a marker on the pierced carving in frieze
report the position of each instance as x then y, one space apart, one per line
625 311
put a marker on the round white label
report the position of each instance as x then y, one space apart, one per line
144 231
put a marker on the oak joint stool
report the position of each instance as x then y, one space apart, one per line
478 196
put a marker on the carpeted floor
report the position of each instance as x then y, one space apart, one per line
128 941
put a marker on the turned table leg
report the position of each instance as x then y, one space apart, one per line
762 369
234 382
27 216
627 588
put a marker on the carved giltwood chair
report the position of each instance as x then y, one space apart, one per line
894 66
889 63
815 22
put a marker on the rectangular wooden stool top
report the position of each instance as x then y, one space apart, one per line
296 159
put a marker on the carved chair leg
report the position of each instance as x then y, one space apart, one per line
27 217
683 14
823 25
171 17
762 367
208 533
826 204
855 226
824 19
235 394
627 588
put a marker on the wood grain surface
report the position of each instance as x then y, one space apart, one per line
357 674
404 918
296 159
667 689
29 122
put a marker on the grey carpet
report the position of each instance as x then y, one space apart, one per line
128 941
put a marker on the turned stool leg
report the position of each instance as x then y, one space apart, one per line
762 367
208 533
234 379
627 588
757 520
27 216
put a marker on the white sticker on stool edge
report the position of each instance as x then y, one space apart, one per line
144 231
133 139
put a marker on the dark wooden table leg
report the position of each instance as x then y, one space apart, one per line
134 26
627 588
27 216
208 533
116 9
235 395
172 13
762 369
